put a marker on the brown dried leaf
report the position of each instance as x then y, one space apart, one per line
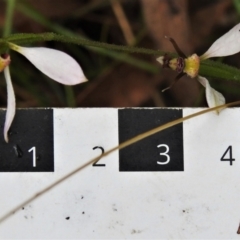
124 87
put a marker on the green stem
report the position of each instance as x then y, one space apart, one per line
218 70
28 38
236 4
31 38
208 68
8 18
123 57
70 96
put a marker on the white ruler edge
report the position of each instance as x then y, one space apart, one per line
101 202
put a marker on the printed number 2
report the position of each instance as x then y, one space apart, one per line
96 164
164 154
229 152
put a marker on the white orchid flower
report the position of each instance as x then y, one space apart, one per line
226 45
55 64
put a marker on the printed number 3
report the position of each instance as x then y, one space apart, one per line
164 154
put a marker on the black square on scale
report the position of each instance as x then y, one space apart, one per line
30 147
162 151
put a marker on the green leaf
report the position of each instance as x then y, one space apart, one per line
213 69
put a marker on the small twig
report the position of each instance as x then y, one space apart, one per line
123 21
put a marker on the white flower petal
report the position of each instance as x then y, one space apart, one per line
55 64
160 60
213 97
226 45
11 104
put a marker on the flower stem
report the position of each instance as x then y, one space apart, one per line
70 96
208 68
135 61
8 18
31 38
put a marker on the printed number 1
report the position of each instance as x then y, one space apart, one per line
33 149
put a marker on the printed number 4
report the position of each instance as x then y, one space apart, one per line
229 152
164 154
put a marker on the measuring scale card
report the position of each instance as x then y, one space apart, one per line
181 183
